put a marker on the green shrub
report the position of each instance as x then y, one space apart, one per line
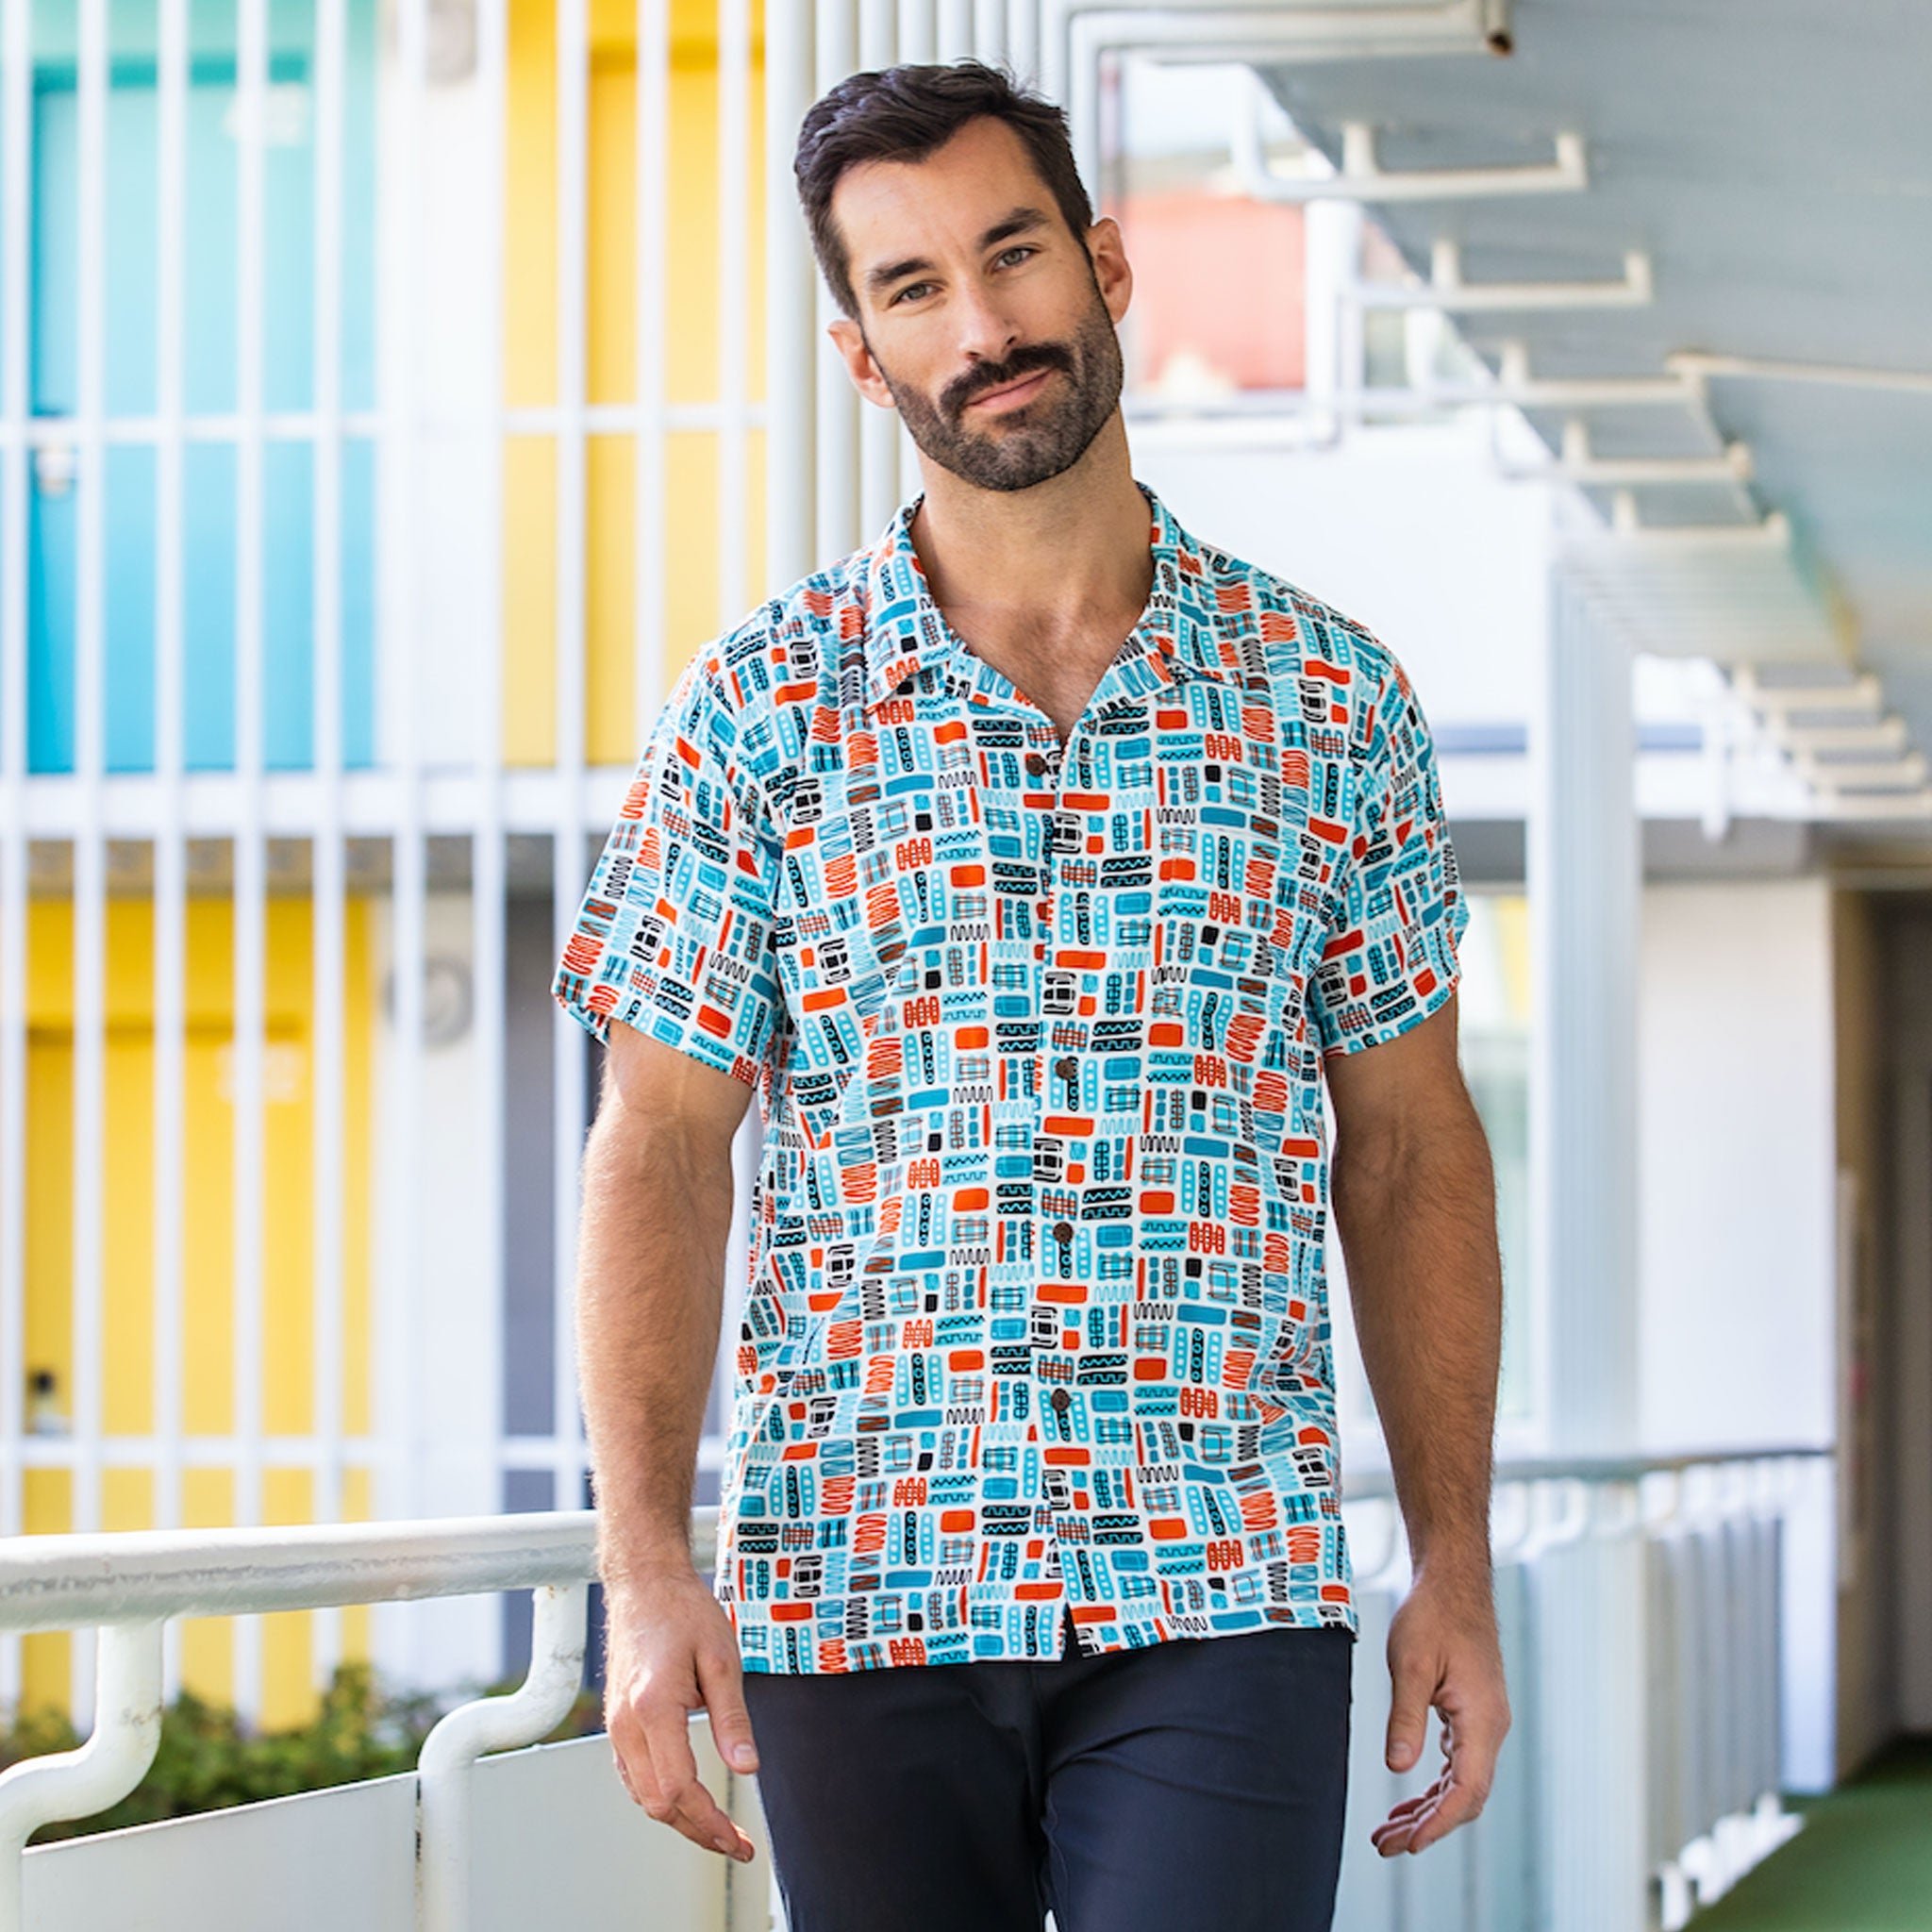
208 1759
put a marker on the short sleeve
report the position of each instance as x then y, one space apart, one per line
674 933
1398 911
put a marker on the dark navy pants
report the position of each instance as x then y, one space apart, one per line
1193 1786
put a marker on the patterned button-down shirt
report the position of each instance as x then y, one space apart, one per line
1035 1319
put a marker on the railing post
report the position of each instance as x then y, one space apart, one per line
490 1724
76 1784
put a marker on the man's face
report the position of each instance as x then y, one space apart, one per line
980 312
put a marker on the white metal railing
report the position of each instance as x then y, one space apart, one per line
1692 1544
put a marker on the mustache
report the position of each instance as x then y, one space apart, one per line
1025 360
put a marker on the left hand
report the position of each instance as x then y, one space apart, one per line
1444 1653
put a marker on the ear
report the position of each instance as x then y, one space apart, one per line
850 343
1111 266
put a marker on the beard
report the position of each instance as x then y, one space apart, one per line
1038 440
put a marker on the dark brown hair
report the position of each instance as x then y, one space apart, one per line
903 114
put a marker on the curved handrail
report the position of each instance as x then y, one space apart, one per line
71 1582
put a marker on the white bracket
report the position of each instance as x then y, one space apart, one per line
1578 464
1447 289
1860 694
76 1784
1362 179
558 1639
1771 532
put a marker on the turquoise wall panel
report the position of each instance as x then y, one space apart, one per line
129 484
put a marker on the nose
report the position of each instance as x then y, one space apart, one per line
987 333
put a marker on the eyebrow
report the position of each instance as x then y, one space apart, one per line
1020 221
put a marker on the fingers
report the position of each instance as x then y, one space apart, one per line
1411 1683
1471 1746
720 1677
650 1734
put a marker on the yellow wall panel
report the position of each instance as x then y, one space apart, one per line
610 354
207 1643
287 1675
529 600
49 1232
128 1234
128 1498
529 214
690 591
610 658
358 1138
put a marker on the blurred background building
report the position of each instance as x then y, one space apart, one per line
384 421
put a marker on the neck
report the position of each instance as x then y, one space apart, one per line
1067 556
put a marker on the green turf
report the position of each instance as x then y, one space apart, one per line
1862 1863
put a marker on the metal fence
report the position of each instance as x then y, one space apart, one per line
1656 1582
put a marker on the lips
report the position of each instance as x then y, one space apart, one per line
1013 392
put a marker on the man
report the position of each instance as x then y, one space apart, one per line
1036 864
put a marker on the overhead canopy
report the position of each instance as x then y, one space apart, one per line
1775 164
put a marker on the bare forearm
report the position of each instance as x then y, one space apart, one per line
1418 1227
656 1214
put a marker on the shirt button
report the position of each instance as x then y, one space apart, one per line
1035 763
1063 1231
1061 1400
1066 1068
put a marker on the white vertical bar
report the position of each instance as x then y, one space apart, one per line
171 846
918 32
954 26
789 348
327 869
403 641
1023 40
16 160
878 34
919 43
734 343
89 837
648 590
251 867
837 415
989 31
878 432
487 885
1584 880
572 133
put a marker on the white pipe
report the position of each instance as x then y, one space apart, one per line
444 1829
953 29
76 1784
653 123
326 889
989 31
790 366
169 835
70 1582
734 340
16 205
400 1348
488 860
918 31
250 888
90 843
878 429
837 402
573 637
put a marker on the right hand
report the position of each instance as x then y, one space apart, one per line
672 1650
